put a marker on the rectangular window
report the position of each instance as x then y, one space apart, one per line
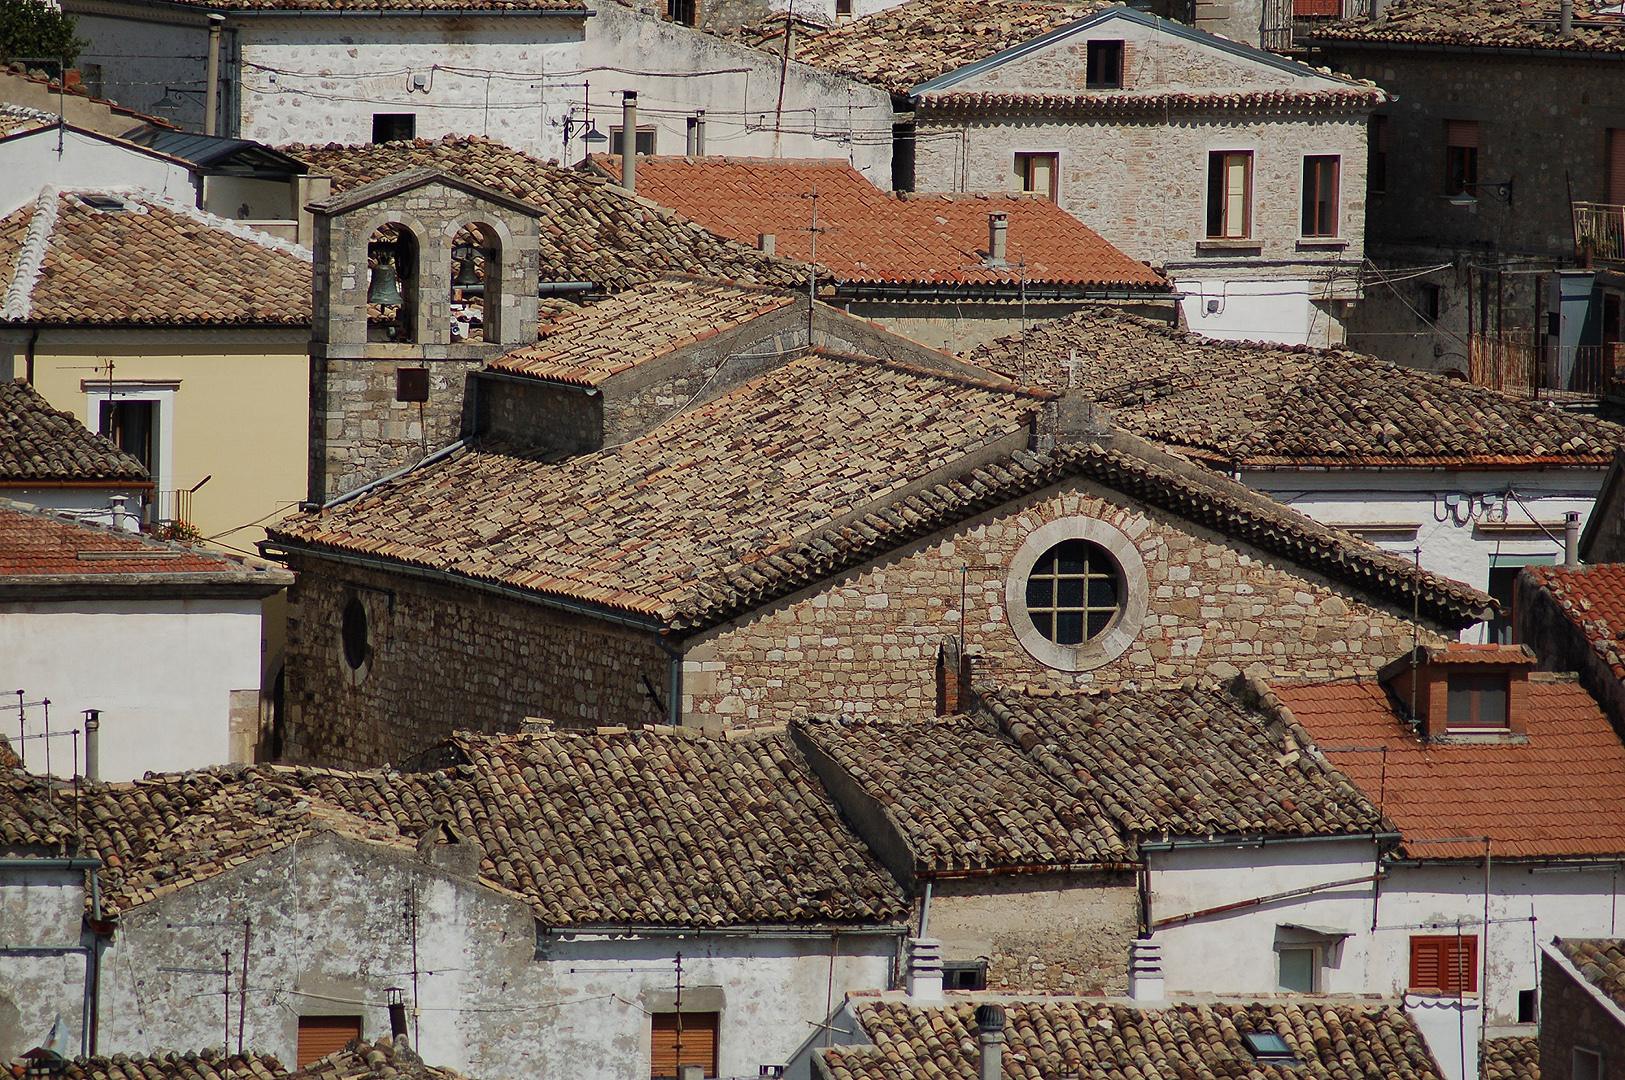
132 424
1477 701
323 1035
682 11
1587 1065
843 7
1616 166
1103 67
646 141
394 127
1317 9
694 1042
1461 157
1376 177
964 975
1320 180
1037 173
1527 1000
1298 969
1444 964
1229 194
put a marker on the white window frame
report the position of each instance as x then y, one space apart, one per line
160 391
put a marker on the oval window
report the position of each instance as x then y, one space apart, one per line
354 634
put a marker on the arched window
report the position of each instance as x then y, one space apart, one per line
392 268
476 284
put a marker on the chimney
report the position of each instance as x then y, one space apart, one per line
1571 538
998 231
1376 10
696 134
397 1012
117 511
1145 971
990 1038
953 678
1473 692
93 744
629 140
925 969
1565 18
767 242
211 103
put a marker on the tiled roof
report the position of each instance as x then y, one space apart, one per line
380 1059
427 6
869 235
1509 24
148 261
1185 763
1601 961
964 797
39 444
587 345
686 527
1594 598
1236 403
208 1064
1561 793
1097 104
1059 1037
1515 1057
903 46
37 545
657 827
16 118
590 229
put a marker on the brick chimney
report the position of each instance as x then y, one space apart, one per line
1463 691
953 679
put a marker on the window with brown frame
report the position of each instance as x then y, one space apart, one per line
698 1038
323 1035
1320 191
1461 157
1229 194
1444 964
1376 174
1037 173
1103 65
1476 701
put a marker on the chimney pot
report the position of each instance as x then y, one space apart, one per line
998 233
1565 18
93 744
1571 538
396 997
925 969
1145 971
629 140
990 1039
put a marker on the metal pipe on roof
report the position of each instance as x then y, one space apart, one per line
211 100
1565 18
1571 538
93 742
629 140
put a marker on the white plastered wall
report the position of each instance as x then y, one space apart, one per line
29 162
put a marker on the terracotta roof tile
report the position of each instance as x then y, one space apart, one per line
386 5
713 832
208 1064
869 235
1515 1057
36 545
1530 798
1098 104
1594 598
1240 403
590 229
1601 961
380 1059
42 444
1058 1037
134 258
1513 24
587 345
1187 763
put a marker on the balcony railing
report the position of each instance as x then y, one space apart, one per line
1518 364
1599 232
171 515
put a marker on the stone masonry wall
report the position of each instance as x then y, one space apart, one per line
1044 933
1570 1017
443 660
868 643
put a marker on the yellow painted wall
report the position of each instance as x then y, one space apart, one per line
241 415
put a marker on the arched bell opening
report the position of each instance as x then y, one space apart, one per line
476 283
392 267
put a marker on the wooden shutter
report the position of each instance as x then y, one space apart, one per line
1312 8
699 1043
1461 133
323 1035
1616 166
1444 965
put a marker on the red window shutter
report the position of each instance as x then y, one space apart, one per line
323 1035
1462 133
1616 166
1444 964
1311 8
1426 955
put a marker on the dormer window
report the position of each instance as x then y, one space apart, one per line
1477 701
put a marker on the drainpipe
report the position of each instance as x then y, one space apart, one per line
674 688
93 730
629 140
211 103
1571 539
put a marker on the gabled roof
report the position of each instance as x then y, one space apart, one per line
39 549
585 346
40 445
132 258
1600 961
658 827
410 180
1113 1040
1561 793
1515 26
1593 598
590 229
822 464
1253 405
867 235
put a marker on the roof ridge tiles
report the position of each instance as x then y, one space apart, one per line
19 299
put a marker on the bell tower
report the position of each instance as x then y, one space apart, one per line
419 280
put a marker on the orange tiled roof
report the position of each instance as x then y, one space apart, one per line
1509 24
133 258
869 235
587 345
1562 793
1594 598
36 544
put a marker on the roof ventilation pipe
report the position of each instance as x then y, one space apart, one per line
629 140
990 1037
1571 538
1565 18
1145 971
93 744
696 134
998 238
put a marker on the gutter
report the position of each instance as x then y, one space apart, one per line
1031 868
1180 844
882 291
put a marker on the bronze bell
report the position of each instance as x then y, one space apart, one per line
385 290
